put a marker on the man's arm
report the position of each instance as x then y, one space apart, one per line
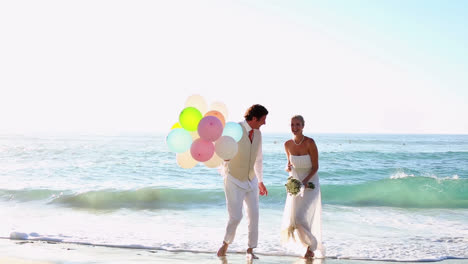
258 167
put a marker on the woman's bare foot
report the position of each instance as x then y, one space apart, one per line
309 254
223 249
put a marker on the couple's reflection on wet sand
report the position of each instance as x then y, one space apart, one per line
224 260
309 261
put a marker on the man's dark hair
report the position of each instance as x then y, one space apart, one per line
256 111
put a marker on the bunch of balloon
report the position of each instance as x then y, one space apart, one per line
203 136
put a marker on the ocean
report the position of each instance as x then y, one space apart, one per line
385 197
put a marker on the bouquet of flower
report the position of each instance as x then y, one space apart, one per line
293 186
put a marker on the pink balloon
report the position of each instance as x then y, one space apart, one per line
210 128
202 150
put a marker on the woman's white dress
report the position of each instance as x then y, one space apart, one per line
302 217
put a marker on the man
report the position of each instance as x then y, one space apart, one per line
243 180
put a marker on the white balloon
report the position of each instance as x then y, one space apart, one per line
214 162
198 102
194 135
220 107
185 160
226 147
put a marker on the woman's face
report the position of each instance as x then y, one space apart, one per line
296 126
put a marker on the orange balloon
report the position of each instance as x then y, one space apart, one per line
216 114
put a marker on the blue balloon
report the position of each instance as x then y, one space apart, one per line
233 130
179 140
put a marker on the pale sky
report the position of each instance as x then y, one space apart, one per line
126 66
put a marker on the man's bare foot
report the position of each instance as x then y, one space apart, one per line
309 254
223 249
250 254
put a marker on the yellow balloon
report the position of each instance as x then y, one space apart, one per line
214 162
189 118
176 125
185 160
198 102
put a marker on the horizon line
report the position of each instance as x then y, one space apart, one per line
159 132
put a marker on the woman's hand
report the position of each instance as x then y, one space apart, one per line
306 180
288 167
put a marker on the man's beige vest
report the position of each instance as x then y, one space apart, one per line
241 166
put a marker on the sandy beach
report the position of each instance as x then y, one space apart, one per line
44 252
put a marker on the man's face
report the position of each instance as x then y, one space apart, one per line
257 123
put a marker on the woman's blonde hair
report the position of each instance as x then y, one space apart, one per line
300 118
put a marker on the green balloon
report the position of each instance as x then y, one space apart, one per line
189 118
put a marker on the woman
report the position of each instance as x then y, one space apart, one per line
303 211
